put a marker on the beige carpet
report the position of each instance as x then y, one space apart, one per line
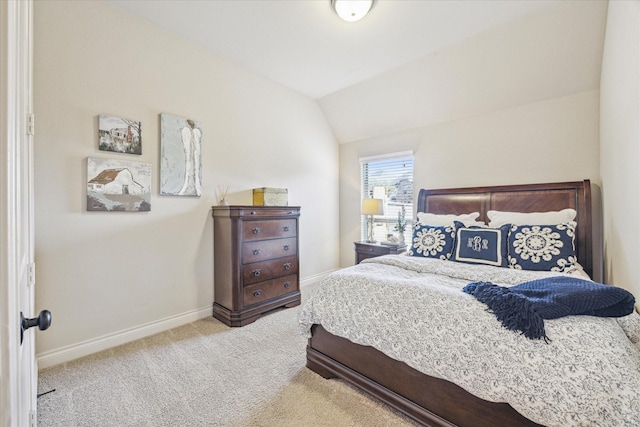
207 374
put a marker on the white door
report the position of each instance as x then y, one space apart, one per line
18 385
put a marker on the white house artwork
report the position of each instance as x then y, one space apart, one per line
180 157
117 185
119 135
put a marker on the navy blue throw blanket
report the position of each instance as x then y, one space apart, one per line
525 306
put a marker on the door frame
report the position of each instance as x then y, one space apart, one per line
18 367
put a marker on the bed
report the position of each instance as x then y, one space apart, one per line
449 396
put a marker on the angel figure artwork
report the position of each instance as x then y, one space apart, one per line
181 164
191 140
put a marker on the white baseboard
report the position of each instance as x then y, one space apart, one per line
85 348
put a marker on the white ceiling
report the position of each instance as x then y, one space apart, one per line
303 45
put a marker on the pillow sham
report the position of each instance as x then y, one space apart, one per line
431 219
500 218
543 247
481 245
432 241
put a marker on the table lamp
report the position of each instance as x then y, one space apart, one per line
371 207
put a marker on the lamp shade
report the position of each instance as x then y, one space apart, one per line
352 10
372 207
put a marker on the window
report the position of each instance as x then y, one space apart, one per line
389 178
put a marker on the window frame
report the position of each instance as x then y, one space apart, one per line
384 224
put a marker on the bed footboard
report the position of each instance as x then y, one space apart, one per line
427 400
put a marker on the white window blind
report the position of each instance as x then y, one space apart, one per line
389 178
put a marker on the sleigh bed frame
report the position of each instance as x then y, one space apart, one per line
432 401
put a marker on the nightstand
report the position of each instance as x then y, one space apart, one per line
370 250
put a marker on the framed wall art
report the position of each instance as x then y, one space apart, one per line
180 156
118 185
119 135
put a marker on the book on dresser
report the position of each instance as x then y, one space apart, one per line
256 263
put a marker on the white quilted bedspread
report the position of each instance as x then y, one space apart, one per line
413 309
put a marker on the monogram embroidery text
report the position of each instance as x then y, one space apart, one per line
477 243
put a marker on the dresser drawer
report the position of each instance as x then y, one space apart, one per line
372 251
268 229
265 270
259 292
268 249
248 212
369 250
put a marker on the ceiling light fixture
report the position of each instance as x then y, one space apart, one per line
352 10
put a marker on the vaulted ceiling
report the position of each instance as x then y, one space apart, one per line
409 63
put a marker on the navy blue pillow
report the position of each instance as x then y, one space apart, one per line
480 245
542 247
431 241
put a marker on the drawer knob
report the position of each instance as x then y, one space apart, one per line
257 293
256 272
286 247
370 250
256 251
255 230
287 285
285 228
287 266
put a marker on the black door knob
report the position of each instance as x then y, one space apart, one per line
43 321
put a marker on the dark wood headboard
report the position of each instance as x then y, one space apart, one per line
520 198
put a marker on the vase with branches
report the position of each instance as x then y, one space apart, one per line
401 225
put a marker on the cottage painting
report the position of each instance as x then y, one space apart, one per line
117 185
119 135
180 156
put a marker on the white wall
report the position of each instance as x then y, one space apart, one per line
548 54
106 274
550 141
517 104
620 144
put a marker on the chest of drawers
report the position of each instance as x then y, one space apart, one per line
256 263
